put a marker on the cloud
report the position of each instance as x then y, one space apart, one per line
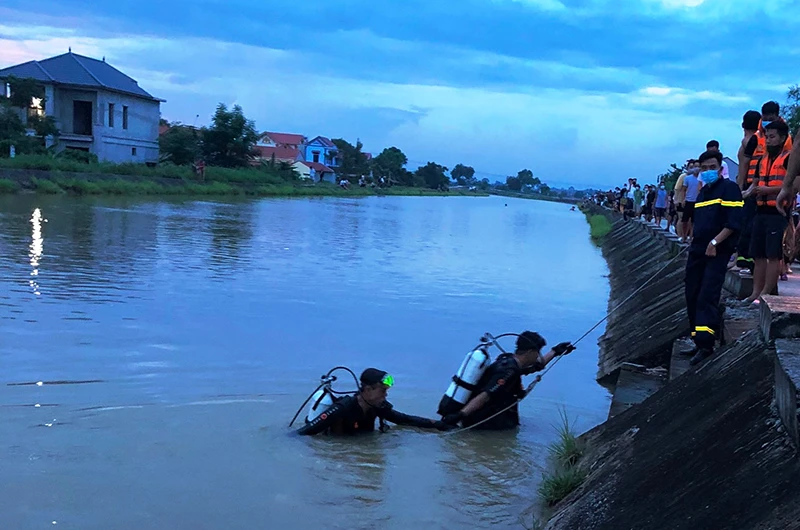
580 91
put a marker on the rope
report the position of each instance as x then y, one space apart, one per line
538 378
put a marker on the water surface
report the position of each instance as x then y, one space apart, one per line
205 324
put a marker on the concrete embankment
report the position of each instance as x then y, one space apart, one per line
715 447
641 330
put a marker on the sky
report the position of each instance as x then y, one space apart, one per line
582 92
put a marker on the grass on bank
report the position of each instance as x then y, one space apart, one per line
567 474
8 186
599 226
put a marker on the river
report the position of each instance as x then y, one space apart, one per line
185 334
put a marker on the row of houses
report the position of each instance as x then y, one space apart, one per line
101 110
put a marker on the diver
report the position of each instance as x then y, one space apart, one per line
356 414
500 386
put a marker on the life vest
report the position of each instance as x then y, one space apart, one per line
755 160
787 146
771 174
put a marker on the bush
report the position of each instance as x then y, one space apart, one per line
76 155
599 226
46 186
8 186
569 448
557 485
567 475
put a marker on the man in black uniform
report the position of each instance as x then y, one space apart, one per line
717 222
500 387
357 414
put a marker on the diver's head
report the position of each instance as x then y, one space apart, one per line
529 348
375 386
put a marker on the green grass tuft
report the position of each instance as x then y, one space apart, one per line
600 226
557 485
46 186
8 186
568 449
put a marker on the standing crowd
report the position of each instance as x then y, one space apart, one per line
747 221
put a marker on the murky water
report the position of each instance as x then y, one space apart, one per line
205 324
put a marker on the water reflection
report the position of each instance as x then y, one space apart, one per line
36 249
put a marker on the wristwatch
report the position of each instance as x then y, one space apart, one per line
713 242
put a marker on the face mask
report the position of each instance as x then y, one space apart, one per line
765 123
774 150
710 176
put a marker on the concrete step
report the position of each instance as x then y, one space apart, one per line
635 384
678 363
740 286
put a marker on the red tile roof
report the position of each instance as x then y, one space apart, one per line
319 168
285 138
325 141
281 153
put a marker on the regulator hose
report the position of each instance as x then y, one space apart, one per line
327 379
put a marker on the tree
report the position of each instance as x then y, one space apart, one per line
21 113
526 178
230 140
390 164
791 109
544 189
670 177
433 175
513 183
180 145
463 175
353 164
483 184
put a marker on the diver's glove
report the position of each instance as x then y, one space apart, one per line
453 419
563 348
442 426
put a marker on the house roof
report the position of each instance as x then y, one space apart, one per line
285 138
281 153
316 166
324 141
73 69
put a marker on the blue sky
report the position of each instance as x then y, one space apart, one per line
582 92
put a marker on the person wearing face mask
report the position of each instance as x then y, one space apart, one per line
661 203
500 386
717 222
769 224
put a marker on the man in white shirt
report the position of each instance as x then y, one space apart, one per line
713 145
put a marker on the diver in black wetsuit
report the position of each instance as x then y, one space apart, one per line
501 387
356 414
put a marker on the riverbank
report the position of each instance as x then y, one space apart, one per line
683 447
537 197
40 175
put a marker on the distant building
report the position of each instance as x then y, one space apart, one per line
279 154
315 171
273 139
322 151
97 108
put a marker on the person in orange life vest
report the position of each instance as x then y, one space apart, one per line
771 112
766 244
718 214
751 150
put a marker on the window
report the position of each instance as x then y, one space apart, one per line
316 155
125 118
133 151
82 117
110 114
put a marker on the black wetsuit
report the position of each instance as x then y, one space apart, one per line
347 417
503 382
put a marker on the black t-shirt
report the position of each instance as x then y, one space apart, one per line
503 382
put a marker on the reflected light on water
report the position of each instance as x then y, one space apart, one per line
36 248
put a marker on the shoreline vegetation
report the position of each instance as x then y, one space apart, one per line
51 176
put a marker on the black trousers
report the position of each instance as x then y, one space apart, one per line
704 279
744 259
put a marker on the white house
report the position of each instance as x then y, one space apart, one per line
97 108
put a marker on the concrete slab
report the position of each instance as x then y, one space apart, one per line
787 382
635 384
679 364
780 317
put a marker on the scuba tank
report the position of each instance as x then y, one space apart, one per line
321 401
460 390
